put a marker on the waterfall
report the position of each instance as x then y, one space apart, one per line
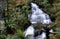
29 31
38 15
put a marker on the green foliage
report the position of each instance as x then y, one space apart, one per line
12 37
17 11
20 34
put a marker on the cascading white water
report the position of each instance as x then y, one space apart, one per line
29 31
38 15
